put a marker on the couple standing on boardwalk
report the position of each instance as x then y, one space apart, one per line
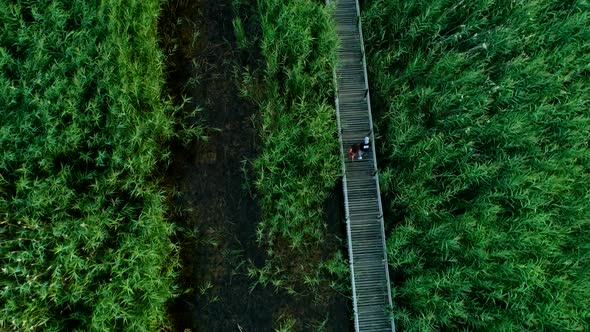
359 149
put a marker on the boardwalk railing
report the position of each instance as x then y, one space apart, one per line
371 292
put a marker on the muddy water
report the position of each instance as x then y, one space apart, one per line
216 202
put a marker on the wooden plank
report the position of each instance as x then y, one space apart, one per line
366 239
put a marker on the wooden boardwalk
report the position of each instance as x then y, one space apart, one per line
364 214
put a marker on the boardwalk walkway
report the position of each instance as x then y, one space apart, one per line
364 213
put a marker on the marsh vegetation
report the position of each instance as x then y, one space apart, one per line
484 155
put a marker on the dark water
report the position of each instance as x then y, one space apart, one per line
216 201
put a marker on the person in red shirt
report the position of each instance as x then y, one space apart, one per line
353 151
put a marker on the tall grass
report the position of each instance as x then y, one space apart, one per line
485 157
298 164
84 242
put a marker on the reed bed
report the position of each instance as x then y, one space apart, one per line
484 156
85 246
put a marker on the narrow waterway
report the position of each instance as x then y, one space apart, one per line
215 202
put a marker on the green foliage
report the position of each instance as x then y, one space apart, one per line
84 242
286 324
298 166
241 38
486 158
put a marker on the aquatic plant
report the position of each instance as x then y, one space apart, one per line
484 158
84 242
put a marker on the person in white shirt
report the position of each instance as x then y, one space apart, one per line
365 147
